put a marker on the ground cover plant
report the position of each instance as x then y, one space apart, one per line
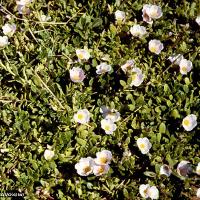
100 99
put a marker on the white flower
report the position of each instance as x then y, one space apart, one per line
22 6
9 29
23 2
165 170
176 59
128 66
44 18
153 192
154 12
85 166
146 18
3 41
82 116
108 125
198 20
111 114
48 154
136 77
185 66
144 145
77 75
198 169
103 68
82 54
155 46
103 157
150 12
184 168
198 193
143 190
189 122
120 16
138 31
99 170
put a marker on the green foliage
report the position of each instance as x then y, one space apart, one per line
38 99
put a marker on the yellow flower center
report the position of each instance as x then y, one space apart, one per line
128 67
142 146
134 77
81 56
107 128
80 116
86 169
110 114
76 77
101 169
103 160
186 122
184 69
145 191
103 70
119 19
153 49
154 13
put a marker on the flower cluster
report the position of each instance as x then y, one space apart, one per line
183 169
108 123
147 191
98 166
110 117
134 73
151 12
184 64
8 30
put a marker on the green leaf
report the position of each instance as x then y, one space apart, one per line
175 113
125 192
113 29
150 174
123 83
81 141
159 135
97 22
162 128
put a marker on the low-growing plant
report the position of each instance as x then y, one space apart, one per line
100 99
